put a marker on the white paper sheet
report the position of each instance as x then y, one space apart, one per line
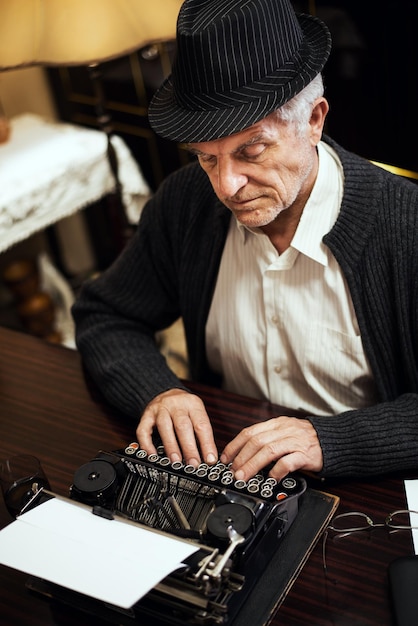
411 489
106 559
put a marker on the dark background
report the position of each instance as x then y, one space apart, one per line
373 86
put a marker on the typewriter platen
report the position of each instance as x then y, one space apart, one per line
236 526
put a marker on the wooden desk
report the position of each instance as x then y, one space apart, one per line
46 408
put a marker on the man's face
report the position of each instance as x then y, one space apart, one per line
261 171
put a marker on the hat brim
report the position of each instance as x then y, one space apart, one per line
172 121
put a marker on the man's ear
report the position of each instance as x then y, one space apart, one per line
317 121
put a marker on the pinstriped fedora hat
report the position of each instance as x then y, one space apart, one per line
236 62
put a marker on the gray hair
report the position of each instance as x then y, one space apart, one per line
298 110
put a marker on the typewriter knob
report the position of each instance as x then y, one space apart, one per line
95 483
236 515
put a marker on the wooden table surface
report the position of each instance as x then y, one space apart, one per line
48 408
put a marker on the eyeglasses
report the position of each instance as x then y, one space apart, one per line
354 521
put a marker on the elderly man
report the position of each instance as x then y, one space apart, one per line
293 263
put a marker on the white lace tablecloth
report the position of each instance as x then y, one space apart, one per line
50 170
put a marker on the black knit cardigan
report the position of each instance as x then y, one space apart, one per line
169 269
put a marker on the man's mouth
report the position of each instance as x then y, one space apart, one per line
242 203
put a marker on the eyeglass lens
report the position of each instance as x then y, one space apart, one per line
355 520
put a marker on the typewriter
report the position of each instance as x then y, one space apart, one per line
236 526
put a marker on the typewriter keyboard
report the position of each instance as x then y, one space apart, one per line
221 476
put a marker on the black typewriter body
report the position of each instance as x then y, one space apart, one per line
235 526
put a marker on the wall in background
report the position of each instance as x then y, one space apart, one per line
27 90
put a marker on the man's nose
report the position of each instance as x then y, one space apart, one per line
230 177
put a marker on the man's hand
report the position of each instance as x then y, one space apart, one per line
288 442
183 425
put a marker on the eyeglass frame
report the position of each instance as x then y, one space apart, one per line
370 525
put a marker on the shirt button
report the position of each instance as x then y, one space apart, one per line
278 369
275 319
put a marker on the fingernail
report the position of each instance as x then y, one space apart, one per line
193 462
223 458
175 457
239 475
211 458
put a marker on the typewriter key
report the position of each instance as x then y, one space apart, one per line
214 476
236 515
281 496
266 492
270 481
289 482
240 484
254 481
177 465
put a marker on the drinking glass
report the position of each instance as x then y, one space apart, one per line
21 477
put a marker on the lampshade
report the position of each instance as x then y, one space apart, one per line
80 32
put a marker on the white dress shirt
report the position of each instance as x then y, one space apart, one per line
283 327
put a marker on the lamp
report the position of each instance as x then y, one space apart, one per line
83 32
80 32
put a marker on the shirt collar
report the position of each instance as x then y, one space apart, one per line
322 207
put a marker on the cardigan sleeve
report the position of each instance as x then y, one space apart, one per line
118 314
167 270
380 439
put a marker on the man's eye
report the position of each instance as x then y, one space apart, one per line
253 151
207 159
